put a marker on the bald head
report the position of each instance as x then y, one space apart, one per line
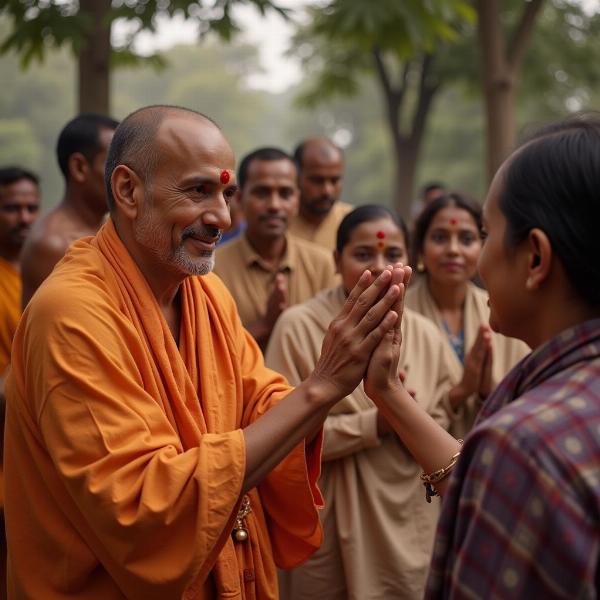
135 141
320 166
321 149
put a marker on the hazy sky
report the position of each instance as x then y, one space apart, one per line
271 34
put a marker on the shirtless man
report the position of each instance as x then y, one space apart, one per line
81 151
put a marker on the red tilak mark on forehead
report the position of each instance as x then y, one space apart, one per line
224 177
380 245
452 221
380 235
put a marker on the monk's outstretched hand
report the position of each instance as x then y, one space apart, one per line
367 315
383 371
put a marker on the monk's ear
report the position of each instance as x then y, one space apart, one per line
539 259
78 167
128 191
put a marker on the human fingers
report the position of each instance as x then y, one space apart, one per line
374 337
407 275
374 315
364 281
371 297
486 383
400 277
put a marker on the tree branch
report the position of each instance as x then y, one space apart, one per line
427 91
520 39
393 97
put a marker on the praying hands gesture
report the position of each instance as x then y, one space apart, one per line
477 372
369 313
429 443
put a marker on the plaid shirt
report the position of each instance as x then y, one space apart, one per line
521 517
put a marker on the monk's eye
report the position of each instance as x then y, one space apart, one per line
229 193
201 189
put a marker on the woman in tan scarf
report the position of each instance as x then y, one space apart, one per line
447 244
378 529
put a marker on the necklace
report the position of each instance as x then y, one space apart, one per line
456 341
240 533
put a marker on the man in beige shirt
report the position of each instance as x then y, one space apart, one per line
320 165
265 269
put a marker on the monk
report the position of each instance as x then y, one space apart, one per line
157 457
81 151
19 207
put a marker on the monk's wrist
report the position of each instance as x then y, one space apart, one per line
320 391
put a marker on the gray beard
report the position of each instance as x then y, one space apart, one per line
148 235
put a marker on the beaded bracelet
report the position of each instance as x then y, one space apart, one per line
429 480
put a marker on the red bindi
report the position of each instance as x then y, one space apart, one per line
380 235
381 245
224 177
452 221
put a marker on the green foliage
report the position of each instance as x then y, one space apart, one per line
337 44
38 25
18 143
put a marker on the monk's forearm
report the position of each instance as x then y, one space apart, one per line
272 437
429 443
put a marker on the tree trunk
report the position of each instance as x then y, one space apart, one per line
94 59
407 146
407 159
499 95
500 73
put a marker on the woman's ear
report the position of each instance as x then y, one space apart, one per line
128 191
337 259
539 259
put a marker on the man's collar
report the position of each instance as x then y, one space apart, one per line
252 257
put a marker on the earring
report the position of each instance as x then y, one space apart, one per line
420 267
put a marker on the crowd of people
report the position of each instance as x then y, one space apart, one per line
223 382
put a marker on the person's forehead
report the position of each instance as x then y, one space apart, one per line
453 216
369 230
318 155
260 170
23 190
185 140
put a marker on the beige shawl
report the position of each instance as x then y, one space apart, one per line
506 351
378 528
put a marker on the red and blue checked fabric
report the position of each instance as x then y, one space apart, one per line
521 517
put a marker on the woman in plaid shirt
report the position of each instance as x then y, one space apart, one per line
521 509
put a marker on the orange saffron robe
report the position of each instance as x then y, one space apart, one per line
124 452
10 310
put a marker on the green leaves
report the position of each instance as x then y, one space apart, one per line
401 27
39 25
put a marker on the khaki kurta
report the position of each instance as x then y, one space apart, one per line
308 268
125 454
325 234
506 351
378 528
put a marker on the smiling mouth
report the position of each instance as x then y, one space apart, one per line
206 245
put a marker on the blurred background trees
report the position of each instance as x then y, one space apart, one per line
409 89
